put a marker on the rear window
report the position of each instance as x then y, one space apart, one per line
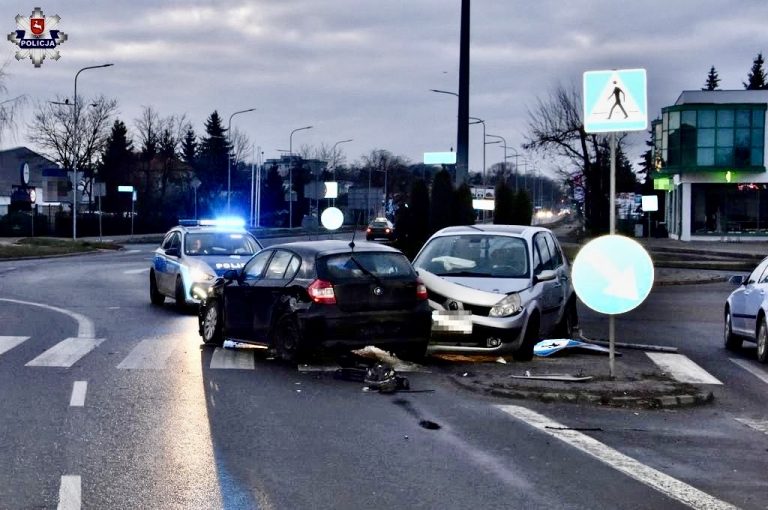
352 266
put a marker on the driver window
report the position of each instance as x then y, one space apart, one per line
255 266
760 274
278 265
546 259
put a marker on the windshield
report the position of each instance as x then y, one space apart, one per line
359 265
220 243
475 256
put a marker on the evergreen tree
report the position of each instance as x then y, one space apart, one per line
504 205
212 163
712 80
756 77
522 208
189 147
441 202
419 207
116 166
272 198
463 211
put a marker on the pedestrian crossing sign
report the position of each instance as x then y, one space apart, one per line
615 100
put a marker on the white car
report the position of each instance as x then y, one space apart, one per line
745 311
496 289
193 254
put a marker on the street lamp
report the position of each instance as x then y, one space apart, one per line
290 175
333 151
481 121
229 157
74 152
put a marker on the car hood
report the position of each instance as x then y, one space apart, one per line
481 291
219 264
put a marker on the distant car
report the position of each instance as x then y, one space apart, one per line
745 312
301 297
193 254
496 288
380 228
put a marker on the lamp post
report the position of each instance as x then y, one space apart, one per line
74 151
333 152
290 175
229 157
481 121
505 150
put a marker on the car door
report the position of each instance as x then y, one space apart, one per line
163 264
753 295
558 265
239 303
269 291
550 292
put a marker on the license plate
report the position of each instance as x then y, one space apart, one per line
452 321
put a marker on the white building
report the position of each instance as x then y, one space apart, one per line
710 153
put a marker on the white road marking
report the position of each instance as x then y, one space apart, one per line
65 353
69 493
85 327
131 251
136 271
657 480
752 369
9 342
233 359
78 394
759 425
682 368
149 354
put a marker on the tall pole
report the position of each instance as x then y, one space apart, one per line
290 175
229 157
612 231
253 197
462 129
76 115
333 153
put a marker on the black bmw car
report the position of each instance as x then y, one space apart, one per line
300 297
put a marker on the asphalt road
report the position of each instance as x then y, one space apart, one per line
161 427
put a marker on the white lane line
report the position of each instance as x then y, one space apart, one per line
233 359
136 271
131 251
759 425
9 342
682 368
149 354
752 369
85 327
78 394
66 353
657 480
69 493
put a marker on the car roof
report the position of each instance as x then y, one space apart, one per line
526 231
331 247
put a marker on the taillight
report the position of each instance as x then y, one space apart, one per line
421 290
322 292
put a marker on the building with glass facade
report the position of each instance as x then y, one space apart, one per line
709 153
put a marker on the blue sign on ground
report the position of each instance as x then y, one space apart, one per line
612 274
615 101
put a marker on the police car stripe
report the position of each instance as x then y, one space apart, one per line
9 342
65 353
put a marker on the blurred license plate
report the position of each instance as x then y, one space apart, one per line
452 321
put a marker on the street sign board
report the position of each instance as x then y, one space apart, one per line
484 204
650 203
612 274
615 100
439 158
126 189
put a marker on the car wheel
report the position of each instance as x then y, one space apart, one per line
181 302
154 294
762 341
525 351
732 342
568 325
212 328
287 338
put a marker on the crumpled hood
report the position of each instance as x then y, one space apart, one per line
479 291
220 264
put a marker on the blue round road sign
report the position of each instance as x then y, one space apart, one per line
612 274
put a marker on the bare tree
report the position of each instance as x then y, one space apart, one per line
241 145
9 108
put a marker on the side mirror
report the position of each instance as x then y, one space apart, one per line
737 280
231 274
545 276
173 252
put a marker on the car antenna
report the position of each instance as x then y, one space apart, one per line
354 232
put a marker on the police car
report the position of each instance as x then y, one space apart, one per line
193 254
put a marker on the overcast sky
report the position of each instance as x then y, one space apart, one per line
362 69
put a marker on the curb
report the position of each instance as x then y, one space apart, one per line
60 255
635 402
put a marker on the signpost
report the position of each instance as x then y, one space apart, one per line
614 100
129 189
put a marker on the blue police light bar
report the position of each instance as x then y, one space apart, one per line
439 158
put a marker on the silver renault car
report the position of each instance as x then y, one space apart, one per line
745 312
496 289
